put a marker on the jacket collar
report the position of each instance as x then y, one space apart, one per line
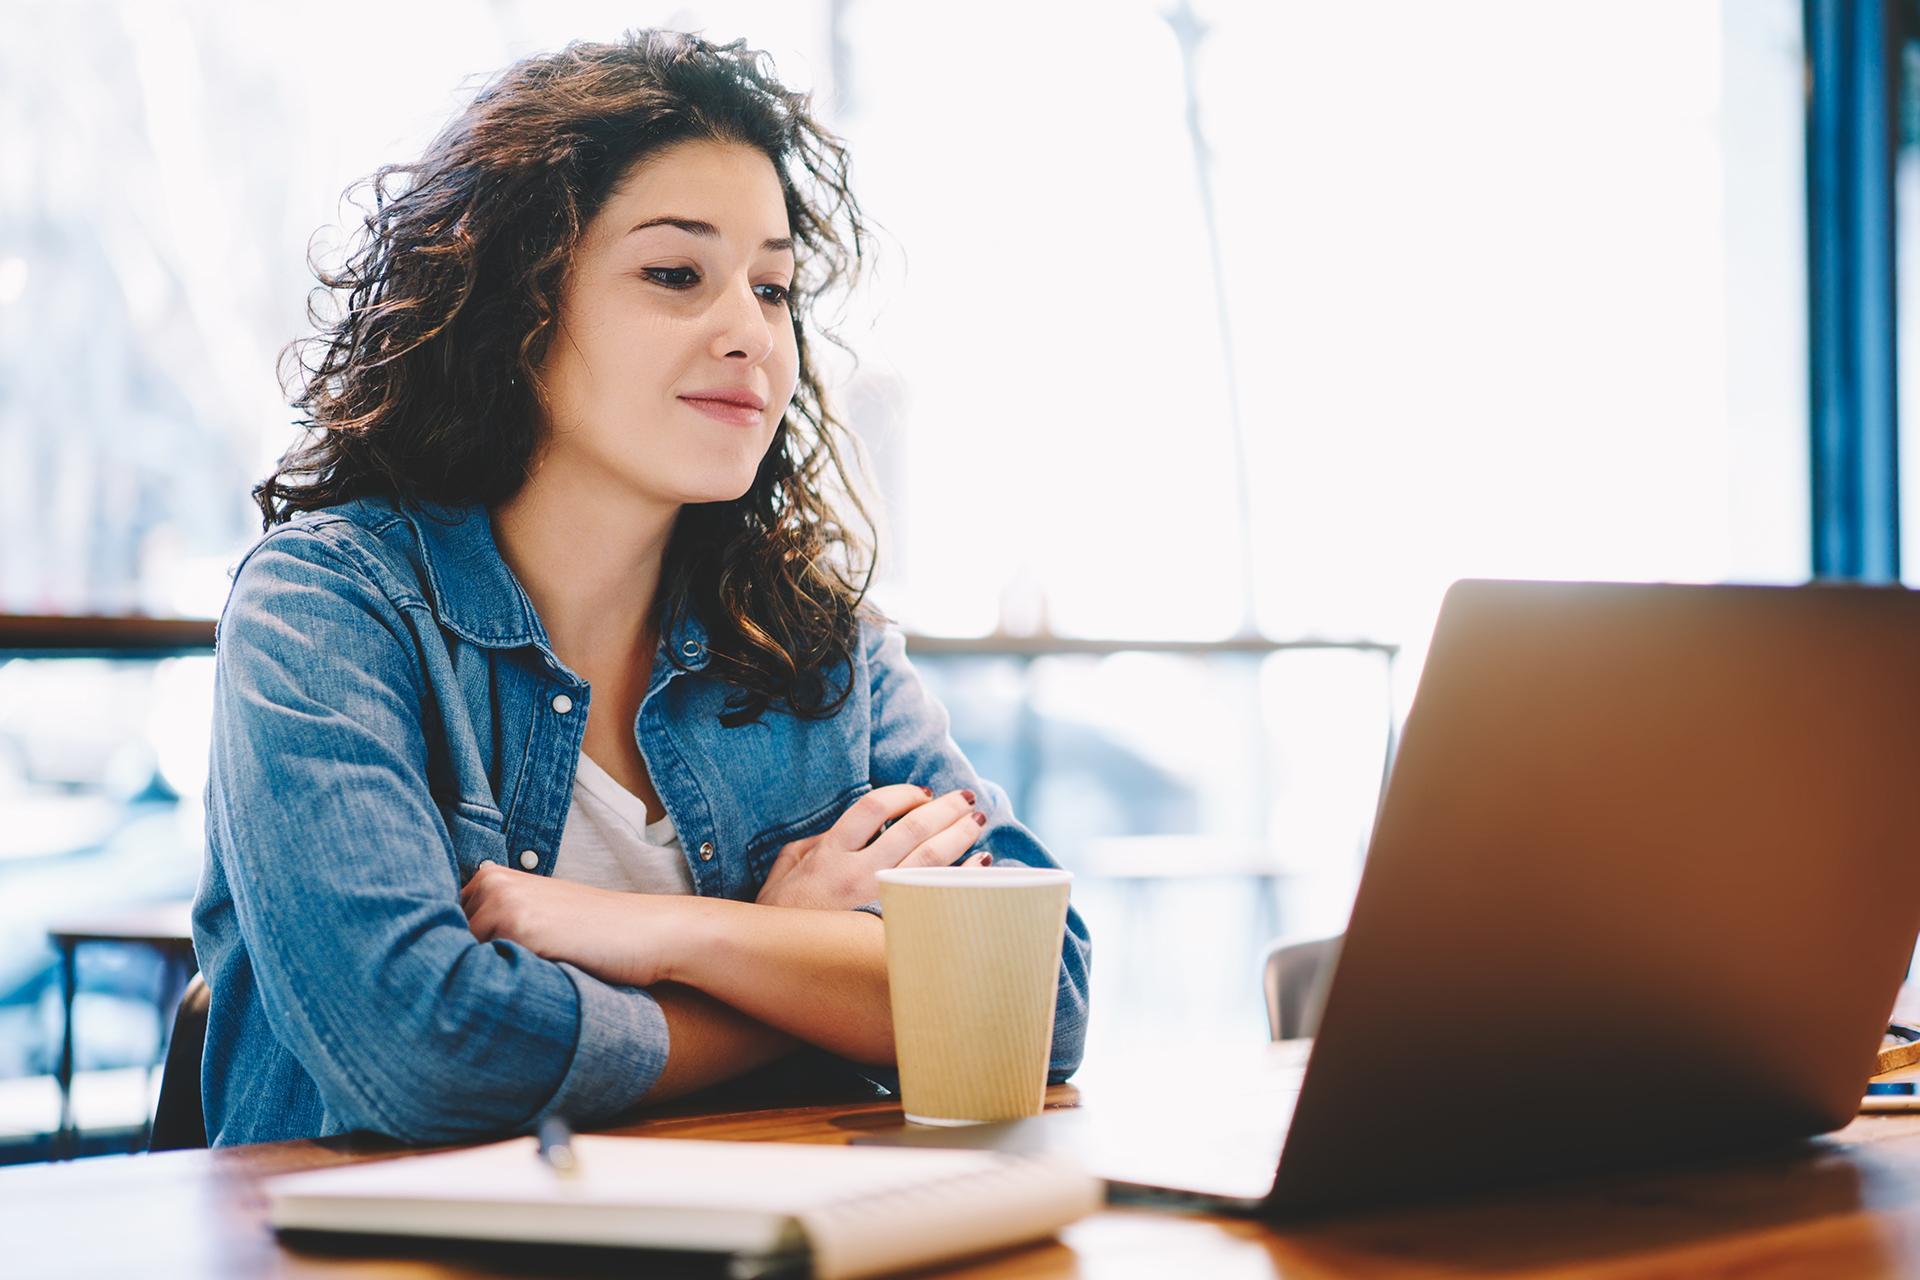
476 596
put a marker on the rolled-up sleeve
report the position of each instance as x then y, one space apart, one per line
346 889
912 743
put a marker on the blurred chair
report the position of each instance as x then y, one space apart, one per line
1297 975
178 1122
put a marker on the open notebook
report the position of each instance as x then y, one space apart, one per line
851 1211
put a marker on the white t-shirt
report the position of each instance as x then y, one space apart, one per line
609 843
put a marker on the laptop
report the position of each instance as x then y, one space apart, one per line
1644 884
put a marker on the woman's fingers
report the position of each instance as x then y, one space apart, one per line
945 847
980 859
791 853
856 828
894 845
477 884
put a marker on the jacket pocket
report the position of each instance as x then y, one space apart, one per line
765 847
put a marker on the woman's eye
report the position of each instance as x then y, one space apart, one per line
686 277
673 277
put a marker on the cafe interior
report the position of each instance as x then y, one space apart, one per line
1203 347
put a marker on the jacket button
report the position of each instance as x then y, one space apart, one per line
529 859
691 648
706 851
562 703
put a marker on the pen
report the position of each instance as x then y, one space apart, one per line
556 1146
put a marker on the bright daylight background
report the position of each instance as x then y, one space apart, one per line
1495 287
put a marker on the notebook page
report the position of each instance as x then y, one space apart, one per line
1006 1201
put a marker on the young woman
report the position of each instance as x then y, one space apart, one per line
555 749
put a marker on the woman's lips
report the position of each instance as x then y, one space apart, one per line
739 415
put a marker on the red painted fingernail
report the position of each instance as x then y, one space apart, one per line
986 859
928 790
967 796
979 819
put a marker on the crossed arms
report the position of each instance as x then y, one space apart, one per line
741 983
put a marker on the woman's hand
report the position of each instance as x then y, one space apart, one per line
834 871
626 938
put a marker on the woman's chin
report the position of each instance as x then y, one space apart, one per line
715 490
717 480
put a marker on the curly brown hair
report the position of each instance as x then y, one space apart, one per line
424 386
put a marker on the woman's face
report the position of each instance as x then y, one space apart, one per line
675 304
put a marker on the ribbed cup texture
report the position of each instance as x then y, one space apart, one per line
973 973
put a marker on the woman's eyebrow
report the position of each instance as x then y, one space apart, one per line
695 226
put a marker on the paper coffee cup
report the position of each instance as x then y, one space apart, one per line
973 967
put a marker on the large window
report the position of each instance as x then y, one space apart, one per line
1432 291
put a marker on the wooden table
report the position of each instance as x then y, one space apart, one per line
1847 1205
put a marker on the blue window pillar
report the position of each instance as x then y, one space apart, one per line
1853 61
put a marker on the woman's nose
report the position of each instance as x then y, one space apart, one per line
742 329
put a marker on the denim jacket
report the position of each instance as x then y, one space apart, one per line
388 715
